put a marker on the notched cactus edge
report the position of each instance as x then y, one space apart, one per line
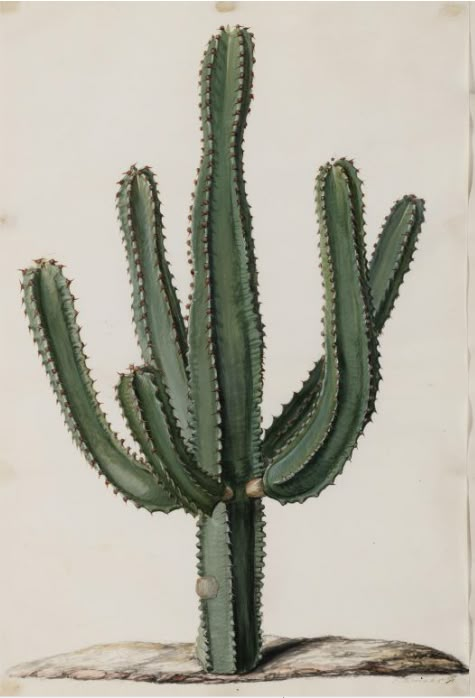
194 406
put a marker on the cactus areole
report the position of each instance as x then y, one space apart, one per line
194 407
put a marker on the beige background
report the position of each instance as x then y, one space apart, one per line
471 349
89 88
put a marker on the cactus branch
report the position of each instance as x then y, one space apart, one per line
226 364
316 457
154 427
156 310
393 255
50 309
294 414
389 264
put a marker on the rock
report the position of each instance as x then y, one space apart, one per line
283 659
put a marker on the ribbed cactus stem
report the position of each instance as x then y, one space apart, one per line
153 424
312 460
156 311
225 359
231 551
49 305
389 264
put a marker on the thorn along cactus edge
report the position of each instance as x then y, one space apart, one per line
194 407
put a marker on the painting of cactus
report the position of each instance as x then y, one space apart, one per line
194 406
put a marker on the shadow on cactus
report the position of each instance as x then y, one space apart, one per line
194 407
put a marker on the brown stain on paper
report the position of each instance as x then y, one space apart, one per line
225 6
452 9
9 687
7 472
9 7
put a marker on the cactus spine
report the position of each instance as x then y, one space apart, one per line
193 408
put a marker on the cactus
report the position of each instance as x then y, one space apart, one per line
194 407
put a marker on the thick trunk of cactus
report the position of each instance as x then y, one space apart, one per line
230 568
225 337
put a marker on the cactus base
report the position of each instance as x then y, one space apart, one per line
230 568
282 659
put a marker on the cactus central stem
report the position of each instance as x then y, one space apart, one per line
230 550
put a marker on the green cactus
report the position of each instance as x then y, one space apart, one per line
194 408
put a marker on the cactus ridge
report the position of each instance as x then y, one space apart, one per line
393 254
49 305
138 428
356 199
351 359
203 639
312 431
157 316
244 242
224 298
395 249
216 645
155 429
259 559
194 407
295 412
204 404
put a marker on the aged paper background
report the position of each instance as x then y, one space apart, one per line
471 351
87 90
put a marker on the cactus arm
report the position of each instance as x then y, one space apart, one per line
294 413
49 306
153 426
288 461
226 365
158 320
313 460
393 253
